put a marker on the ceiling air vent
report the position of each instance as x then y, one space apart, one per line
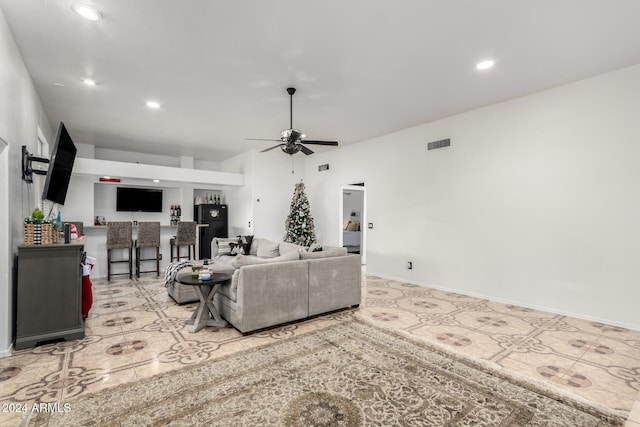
439 144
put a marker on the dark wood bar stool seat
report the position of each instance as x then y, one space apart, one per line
119 236
148 237
185 236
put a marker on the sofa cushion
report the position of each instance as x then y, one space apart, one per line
286 247
226 260
327 252
253 260
268 249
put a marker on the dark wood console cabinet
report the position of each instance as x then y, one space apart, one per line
48 293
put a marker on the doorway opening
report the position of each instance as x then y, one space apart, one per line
353 220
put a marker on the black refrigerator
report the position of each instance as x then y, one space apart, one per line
215 216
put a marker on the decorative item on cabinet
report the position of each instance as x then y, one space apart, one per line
175 214
37 231
203 197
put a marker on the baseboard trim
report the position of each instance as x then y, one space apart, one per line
512 302
6 352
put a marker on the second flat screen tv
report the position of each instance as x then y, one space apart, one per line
130 199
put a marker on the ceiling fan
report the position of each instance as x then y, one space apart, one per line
293 139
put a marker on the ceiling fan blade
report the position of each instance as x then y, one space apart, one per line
305 150
271 148
307 141
260 139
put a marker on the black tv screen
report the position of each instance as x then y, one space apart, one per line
130 199
60 165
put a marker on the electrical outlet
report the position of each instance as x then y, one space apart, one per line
409 265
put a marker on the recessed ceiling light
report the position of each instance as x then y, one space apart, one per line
485 65
153 104
89 82
156 180
87 12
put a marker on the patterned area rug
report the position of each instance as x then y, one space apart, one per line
348 374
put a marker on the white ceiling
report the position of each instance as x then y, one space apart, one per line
363 68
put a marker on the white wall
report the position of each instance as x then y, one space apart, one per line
134 157
144 158
265 198
274 183
20 115
240 199
536 202
80 201
6 293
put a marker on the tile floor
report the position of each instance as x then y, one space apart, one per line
135 330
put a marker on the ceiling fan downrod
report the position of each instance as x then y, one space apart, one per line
291 91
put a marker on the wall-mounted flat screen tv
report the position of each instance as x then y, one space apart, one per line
60 165
131 199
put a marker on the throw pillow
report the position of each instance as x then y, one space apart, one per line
224 247
253 249
214 248
268 249
314 247
246 244
286 247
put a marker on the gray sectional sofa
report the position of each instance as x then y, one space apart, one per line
281 282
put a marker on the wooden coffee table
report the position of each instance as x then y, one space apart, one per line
206 313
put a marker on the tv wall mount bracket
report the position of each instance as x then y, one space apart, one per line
27 165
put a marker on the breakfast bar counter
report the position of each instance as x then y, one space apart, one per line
96 246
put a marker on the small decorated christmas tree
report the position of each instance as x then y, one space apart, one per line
299 225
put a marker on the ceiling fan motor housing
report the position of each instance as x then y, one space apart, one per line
293 135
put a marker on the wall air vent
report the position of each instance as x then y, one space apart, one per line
439 144
324 167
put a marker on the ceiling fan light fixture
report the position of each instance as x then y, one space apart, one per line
290 148
87 11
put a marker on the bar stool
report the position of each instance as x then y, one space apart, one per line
185 236
119 236
148 237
